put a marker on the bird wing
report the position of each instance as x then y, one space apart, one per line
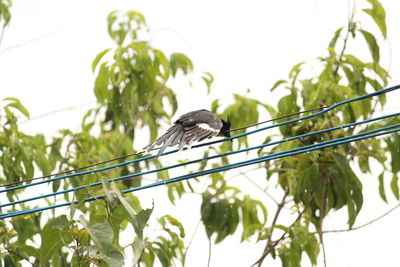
199 132
200 116
172 137
191 127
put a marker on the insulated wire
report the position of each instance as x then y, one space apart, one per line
278 155
383 91
220 155
209 143
142 152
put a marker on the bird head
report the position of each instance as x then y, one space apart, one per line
226 126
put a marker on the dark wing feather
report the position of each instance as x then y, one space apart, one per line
193 126
170 138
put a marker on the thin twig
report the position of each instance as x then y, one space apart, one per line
258 186
55 111
278 118
209 252
31 40
2 33
365 224
268 245
345 40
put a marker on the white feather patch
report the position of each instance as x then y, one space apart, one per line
205 126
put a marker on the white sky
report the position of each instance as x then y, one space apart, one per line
45 60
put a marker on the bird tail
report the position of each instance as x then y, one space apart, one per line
174 136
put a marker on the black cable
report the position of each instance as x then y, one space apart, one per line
141 152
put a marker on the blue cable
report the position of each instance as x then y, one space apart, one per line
282 154
383 91
211 157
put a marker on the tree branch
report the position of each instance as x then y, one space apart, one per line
268 246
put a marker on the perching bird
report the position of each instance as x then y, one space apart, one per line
193 126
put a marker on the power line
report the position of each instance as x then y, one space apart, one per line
277 155
326 109
141 152
221 155
278 118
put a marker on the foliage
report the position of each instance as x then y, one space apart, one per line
5 15
132 91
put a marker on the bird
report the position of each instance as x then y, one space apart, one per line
194 126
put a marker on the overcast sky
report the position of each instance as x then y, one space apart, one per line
46 54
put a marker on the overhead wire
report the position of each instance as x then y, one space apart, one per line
328 108
291 152
253 161
216 156
142 152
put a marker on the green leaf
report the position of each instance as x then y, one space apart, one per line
394 185
214 106
208 79
25 227
294 72
15 103
372 45
332 43
98 58
141 220
276 84
42 162
163 61
312 249
180 61
138 220
352 60
56 185
171 220
172 101
382 187
393 144
138 246
272 112
101 84
51 237
378 14
103 236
